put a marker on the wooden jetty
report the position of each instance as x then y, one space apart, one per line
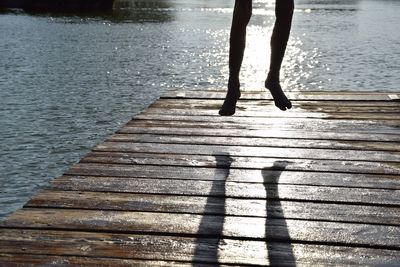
179 185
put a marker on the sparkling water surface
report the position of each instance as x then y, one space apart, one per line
69 81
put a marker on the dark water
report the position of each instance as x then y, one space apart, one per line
68 81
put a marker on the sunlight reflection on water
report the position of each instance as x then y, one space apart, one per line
298 64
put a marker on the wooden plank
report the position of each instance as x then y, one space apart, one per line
226 251
301 114
249 151
288 230
262 133
262 123
312 104
125 246
392 116
318 165
259 142
298 96
245 190
271 172
149 201
210 108
25 260
196 105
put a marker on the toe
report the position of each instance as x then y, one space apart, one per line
226 111
281 106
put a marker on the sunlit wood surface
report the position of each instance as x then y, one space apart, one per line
179 185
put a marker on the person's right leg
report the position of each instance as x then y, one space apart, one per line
241 17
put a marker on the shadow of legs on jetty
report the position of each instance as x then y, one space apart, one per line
280 253
206 249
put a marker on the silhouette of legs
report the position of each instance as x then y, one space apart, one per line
207 247
280 252
279 39
241 17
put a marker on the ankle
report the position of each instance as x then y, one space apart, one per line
234 87
233 82
272 78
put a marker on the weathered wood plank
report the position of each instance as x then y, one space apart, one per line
188 103
249 151
243 112
262 123
337 96
210 204
246 190
25 260
247 112
269 173
259 142
125 246
187 249
264 133
207 225
320 165
300 110
209 108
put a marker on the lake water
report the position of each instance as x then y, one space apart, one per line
68 81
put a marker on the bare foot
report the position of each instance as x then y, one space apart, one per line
280 99
228 108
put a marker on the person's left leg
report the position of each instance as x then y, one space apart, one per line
280 36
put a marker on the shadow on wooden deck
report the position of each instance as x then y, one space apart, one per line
217 206
224 162
271 183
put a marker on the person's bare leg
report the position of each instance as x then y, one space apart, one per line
280 36
241 17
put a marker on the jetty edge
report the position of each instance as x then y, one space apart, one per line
179 185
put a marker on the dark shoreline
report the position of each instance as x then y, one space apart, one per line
58 5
